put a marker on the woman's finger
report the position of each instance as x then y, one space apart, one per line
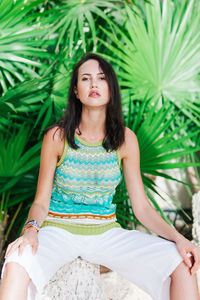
13 246
23 245
196 264
21 248
34 248
8 248
10 245
186 258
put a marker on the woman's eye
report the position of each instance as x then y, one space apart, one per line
86 78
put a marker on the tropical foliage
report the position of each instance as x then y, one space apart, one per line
163 51
154 48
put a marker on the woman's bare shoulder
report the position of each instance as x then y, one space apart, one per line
55 138
129 142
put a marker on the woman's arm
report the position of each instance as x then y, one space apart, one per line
145 213
51 149
142 208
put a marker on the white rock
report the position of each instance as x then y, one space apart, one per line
81 280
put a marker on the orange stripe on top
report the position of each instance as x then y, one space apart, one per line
81 216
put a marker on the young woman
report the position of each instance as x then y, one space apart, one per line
73 214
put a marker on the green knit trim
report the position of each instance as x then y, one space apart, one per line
119 158
63 155
87 143
82 229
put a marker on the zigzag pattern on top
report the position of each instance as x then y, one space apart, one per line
85 182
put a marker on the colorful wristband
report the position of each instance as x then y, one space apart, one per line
32 223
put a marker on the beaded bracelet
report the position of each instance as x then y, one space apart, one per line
32 223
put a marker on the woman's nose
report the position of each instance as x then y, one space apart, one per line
94 82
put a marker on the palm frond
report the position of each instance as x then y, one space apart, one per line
20 43
159 56
19 160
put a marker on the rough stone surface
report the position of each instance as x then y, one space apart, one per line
81 280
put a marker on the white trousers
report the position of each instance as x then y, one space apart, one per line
143 259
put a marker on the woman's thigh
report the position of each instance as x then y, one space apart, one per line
55 248
144 259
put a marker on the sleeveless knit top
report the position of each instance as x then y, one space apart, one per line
84 184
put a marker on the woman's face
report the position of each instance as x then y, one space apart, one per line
92 87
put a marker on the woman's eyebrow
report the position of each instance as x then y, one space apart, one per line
90 74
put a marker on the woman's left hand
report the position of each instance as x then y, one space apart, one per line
184 246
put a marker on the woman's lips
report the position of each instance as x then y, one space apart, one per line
94 94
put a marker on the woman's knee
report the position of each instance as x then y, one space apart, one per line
15 271
181 270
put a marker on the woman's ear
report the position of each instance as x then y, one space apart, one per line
76 92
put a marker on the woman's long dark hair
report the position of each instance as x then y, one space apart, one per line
114 118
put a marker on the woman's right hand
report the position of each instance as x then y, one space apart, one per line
29 237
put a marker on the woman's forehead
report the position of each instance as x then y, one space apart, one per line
91 66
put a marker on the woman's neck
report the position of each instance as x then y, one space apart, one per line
90 136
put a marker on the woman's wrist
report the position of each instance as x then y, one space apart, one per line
31 224
30 229
178 237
